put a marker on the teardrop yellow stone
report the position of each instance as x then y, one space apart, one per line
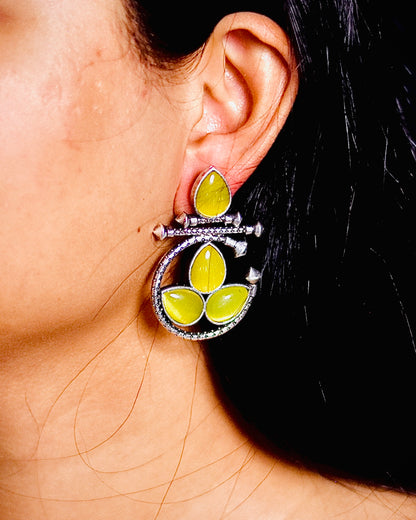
207 271
183 306
212 196
226 304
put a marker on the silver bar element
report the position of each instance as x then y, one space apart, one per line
161 232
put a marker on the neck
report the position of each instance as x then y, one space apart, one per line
128 425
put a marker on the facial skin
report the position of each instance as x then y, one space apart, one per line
85 143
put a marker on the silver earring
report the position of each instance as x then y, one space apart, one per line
207 301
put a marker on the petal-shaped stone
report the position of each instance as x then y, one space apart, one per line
183 305
226 304
212 196
207 271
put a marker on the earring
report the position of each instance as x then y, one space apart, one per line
216 307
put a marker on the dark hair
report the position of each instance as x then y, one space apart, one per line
324 365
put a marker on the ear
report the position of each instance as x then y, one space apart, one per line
244 86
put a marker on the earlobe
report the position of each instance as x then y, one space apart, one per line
247 82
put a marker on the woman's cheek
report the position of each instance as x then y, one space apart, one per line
53 195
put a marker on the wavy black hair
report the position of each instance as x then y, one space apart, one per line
323 368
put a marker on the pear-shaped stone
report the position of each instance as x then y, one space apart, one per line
207 271
212 196
226 304
183 305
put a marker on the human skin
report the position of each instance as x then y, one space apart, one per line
103 414
81 161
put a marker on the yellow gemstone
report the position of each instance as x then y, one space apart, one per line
183 306
212 196
226 304
207 271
